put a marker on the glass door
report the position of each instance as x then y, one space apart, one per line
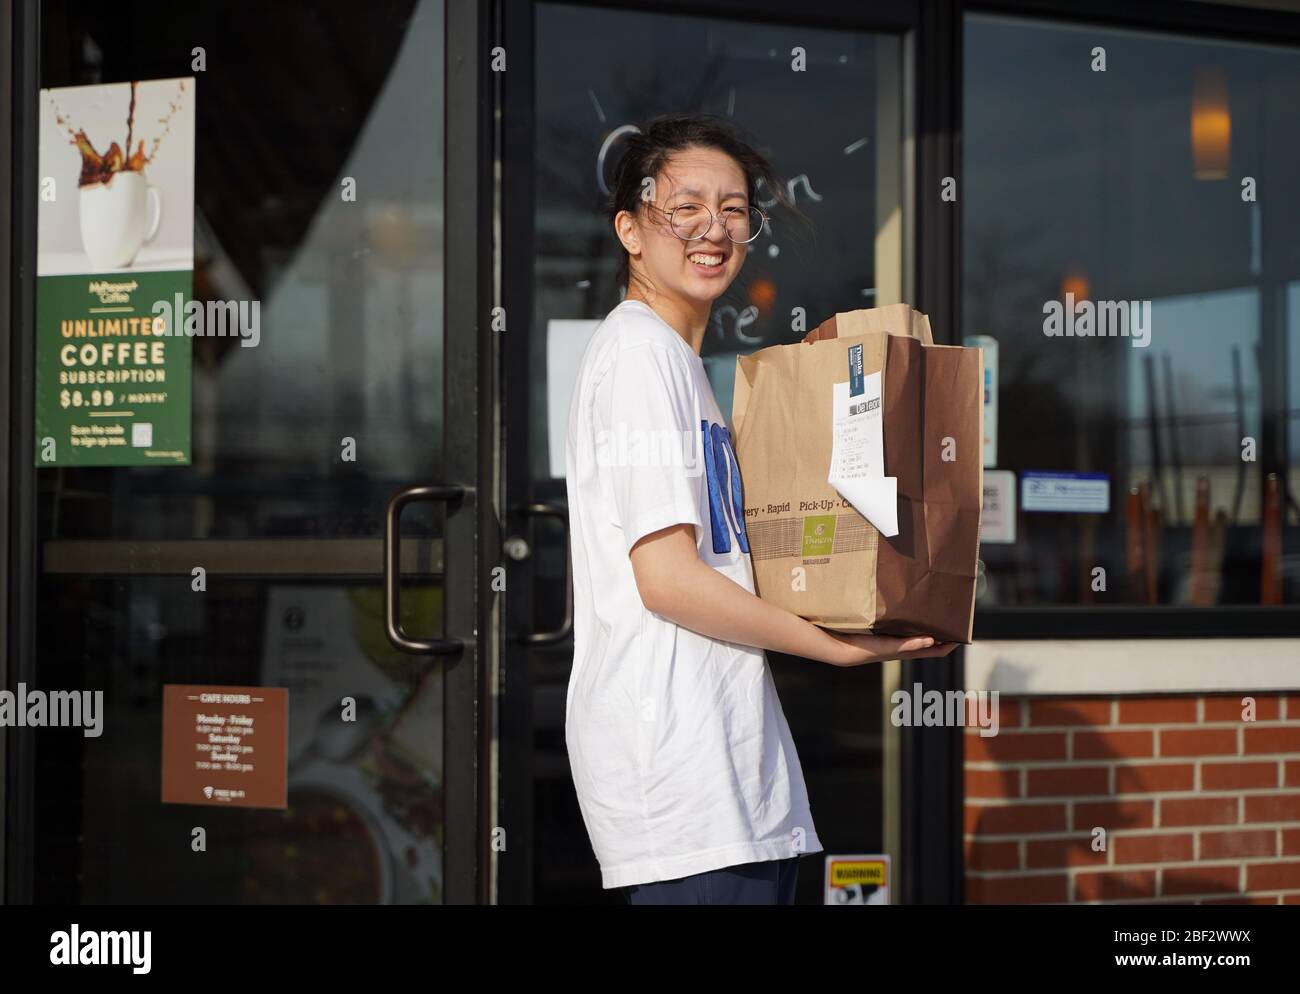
319 531
593 73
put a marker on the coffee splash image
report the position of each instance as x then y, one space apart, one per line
96 168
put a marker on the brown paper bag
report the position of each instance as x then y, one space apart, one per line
813 552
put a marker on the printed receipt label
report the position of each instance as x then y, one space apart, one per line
858 453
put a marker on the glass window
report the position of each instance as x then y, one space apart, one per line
600 72
1127 223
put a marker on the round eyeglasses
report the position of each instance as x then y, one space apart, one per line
692 221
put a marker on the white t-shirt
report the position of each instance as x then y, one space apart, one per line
681 755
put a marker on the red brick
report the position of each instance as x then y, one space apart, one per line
1183 881
1291 842
1229 708
1152 848
1273 807
1156 710
1237 776
1183 811
1070 711
1042 889
1011 714
1273 876
992 783
1291 776
1114 815
1291 899
1148 778
1068 781
1114 885
993 856
1014 819
1044 854
1015 747
1198 742
1276 738
1114 745
1237 845
1292 706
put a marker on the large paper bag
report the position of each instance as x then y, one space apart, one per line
891 547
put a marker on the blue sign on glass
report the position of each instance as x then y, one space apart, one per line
1072 493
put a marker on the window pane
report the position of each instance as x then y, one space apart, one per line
1127 241
600 72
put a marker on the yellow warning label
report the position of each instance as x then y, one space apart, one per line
858 872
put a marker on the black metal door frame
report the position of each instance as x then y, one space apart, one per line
7 44
20 492
469 378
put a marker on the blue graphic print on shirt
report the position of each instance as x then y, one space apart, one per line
726 508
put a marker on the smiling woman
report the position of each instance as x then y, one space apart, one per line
684 207
683 761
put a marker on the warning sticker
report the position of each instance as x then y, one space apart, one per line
857 879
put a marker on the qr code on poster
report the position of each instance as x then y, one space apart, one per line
142 434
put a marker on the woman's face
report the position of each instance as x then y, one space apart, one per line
699 270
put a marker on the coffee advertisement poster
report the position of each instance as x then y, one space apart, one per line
115 266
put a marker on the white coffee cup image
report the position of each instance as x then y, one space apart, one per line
114 218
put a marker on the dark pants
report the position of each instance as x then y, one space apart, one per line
768 882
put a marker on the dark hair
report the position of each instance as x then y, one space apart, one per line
647 150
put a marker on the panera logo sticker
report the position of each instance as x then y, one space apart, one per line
818 535
225 746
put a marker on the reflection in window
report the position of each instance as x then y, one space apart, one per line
600 72
1162 180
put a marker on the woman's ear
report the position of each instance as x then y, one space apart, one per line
628 231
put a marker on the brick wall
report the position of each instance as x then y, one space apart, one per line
1199 805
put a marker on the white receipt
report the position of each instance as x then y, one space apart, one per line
858 455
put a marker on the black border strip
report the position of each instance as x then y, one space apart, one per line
21 631
467 452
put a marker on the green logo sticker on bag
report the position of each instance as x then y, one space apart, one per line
818 534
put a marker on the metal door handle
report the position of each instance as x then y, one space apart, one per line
561 514
393 570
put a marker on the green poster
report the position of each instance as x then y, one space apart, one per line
112 384
115 268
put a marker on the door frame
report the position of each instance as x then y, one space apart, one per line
471 541
19 495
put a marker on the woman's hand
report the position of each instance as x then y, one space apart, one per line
861 649
675 583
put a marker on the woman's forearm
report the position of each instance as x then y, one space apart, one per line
704 600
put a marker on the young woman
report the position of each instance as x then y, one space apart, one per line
685 771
